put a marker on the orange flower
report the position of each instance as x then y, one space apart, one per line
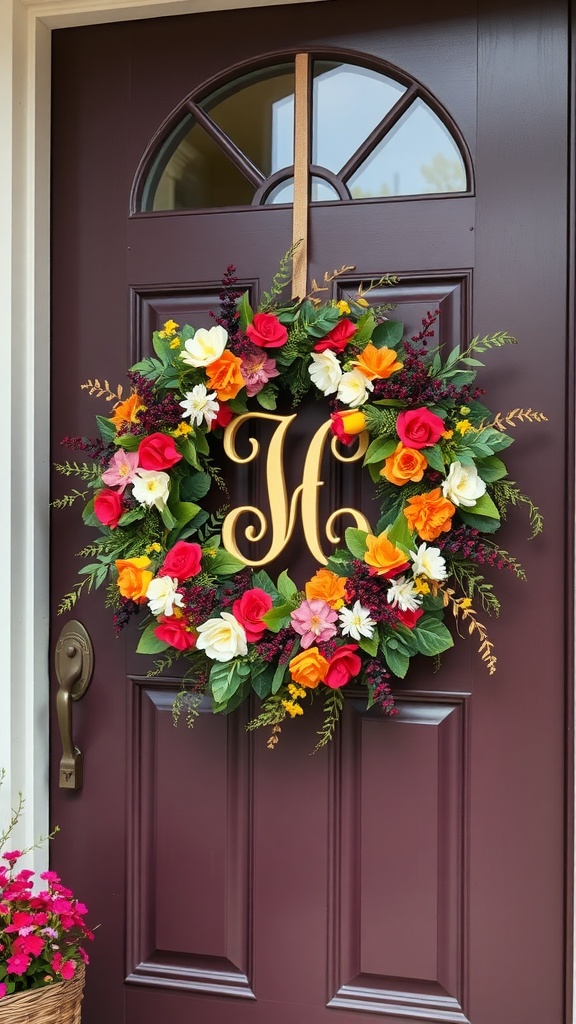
377 362
429 514
133 577
309 668
404 464
328 587
383 556
127 411
225 377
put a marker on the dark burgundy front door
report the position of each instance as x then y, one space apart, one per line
416 868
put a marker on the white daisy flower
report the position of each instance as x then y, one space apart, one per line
429 562
402 594
199 405
356 622
162 596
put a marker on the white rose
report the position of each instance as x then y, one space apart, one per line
429 562
223 638
353 388
151 487
161 595
205 347
463 486
325 371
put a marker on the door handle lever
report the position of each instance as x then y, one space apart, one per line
74 660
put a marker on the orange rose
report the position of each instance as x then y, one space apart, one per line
429 514
127 411
377 362
225 377
309 668
133 577
383 556
403 465
328 587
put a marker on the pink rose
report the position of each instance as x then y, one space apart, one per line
267 331
409 618
108 507
158 452
248 611
337 339
343 666
175 632
182 561
419 428
3 989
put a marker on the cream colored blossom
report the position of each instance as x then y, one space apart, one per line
325 372
162 595
151 487
222 638
205 347
353 388
463 486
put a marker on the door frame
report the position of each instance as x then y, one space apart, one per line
25 67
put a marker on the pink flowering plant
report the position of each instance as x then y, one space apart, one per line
431 447
42 930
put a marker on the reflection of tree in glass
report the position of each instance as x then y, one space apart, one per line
357 192
443 175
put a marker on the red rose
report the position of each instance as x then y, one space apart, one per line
409 618
419 428
223 416
182 561
157 452
267 331
343 665
175 632
337 339
248 611
108 507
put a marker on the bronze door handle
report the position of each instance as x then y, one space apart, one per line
74 660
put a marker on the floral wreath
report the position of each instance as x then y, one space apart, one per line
433 449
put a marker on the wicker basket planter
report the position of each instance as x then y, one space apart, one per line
59 1003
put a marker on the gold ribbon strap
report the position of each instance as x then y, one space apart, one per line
301 165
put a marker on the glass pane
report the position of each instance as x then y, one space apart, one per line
198 175
282 193
418 156
323 191
347 104
257 113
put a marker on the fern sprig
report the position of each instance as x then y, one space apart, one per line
94 387
473 584
68 499
506 493
502 421
82 470
462 610
333 704
280 281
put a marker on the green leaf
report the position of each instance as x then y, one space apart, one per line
231 703
201 442
388 334
279 616
365 328
434 457
267 397
133 516
194 486
128 442
497 440
356 541
286 587
224 680
149 643
162 348
397 661
246 313
262 580
106 428
262 683
183 512
223 563
400 533
379 449
189 453
167 518
491 469
340 562
484 507
278 677
432 636
369 644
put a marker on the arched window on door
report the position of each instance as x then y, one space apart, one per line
374 134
